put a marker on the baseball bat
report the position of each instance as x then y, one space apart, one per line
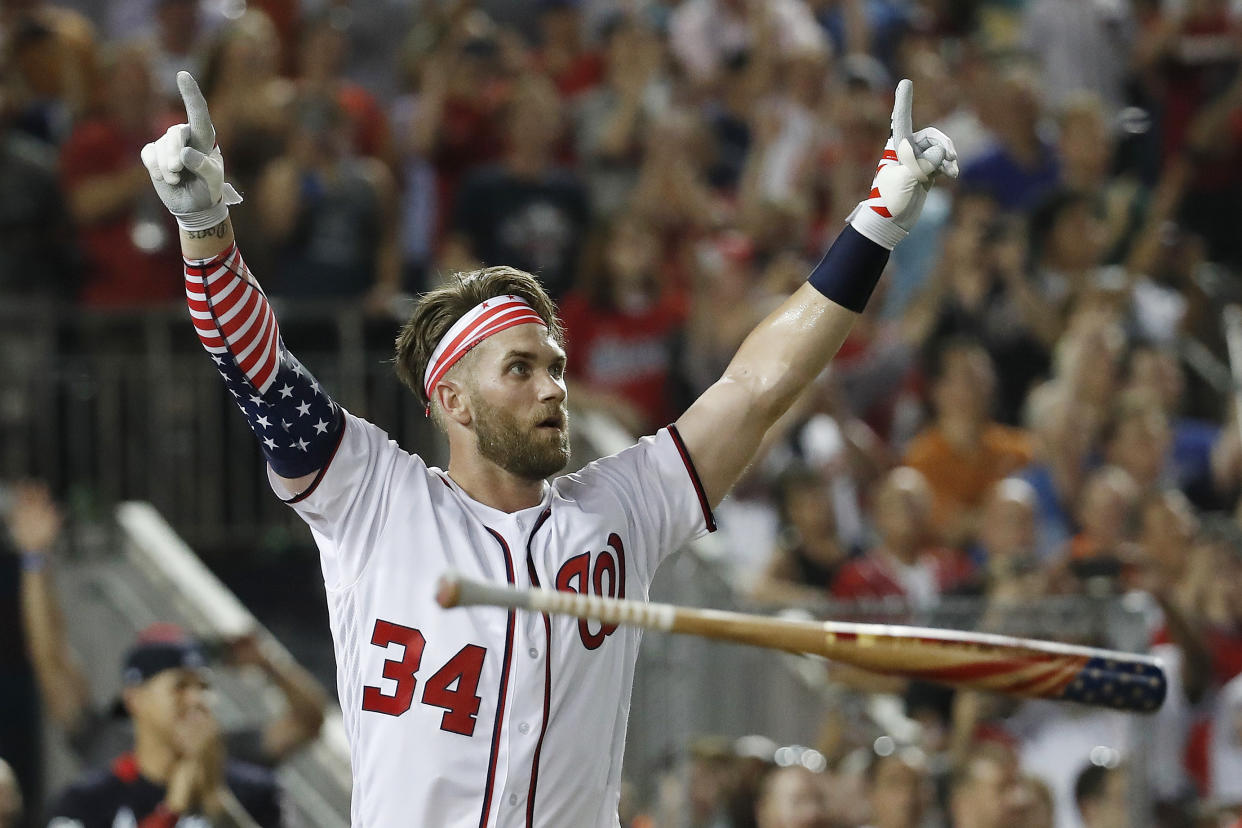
976 661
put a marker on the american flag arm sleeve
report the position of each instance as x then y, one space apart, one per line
297 423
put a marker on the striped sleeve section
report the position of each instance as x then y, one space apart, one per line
232 316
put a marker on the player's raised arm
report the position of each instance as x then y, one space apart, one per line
776 362
297 424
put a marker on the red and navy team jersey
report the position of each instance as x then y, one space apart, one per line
120 795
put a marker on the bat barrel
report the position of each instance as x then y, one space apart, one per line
1132 685
1002 664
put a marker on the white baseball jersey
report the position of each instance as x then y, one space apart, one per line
483 717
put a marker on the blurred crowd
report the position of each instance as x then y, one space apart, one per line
1037 402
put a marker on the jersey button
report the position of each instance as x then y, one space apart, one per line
524 728
512 799
533 653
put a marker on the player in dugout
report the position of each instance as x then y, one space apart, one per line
486 716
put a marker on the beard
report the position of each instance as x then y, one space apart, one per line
525 451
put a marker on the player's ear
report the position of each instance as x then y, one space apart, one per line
453 402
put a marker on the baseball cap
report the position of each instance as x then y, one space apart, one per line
159 647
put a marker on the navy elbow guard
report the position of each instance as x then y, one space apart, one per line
297 423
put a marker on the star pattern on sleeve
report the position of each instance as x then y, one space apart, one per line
295 401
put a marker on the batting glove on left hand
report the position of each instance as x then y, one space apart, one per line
186 166
910 164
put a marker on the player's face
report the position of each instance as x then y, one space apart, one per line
517 399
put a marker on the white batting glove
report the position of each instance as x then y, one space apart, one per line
186 166
911 162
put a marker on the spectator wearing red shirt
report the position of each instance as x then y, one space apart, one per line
563 57
623 323
903 564
463 87
128 240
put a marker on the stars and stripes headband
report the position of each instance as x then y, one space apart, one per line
477 324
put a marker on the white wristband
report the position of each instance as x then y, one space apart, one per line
880 230
206 219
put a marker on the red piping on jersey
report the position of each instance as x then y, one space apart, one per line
340 435
504 688
125 768
547 673
694 477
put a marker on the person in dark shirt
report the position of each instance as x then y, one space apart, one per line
20 742
526 211
177 770
809 552
38 675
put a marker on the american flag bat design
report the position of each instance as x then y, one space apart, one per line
977 661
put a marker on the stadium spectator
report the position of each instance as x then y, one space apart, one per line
897 789
725 303
563 56
178 764
986 790
705 34
671 192
1138 440
251 104
127 241
611 119
809 554
624 322
1197 450
1168 526
526 211
251 109
792 797
1007 528
464 88
177 42
39 672
964 451
331 214
37 239
1087 144
1021 167
1080 46
979 291
1106 515
1040 809
904 563
322 53
1100 794
1064 430
34 524
52 54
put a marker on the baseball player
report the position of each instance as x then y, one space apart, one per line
487 717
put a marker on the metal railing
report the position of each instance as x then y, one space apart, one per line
113 406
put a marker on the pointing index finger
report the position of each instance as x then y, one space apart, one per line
202 133
903 125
